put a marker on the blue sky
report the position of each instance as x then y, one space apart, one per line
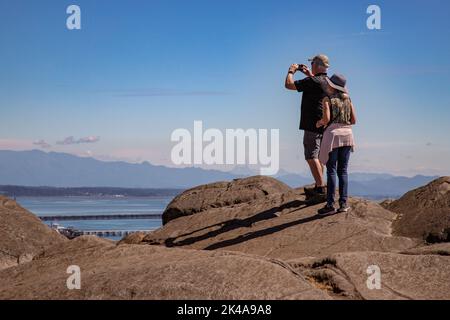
137 70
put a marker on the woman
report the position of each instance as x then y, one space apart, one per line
337 143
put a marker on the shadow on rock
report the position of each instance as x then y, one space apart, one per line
261 233
242 223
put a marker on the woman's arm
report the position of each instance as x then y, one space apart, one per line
353 116
326 113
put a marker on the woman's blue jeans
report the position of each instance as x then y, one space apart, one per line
338 164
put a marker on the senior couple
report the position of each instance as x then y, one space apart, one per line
327 114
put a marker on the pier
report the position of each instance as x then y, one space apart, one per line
107 233
102 217
71 232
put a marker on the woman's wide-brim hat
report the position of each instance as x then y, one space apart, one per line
338 82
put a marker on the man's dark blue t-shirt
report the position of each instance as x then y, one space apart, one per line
313 89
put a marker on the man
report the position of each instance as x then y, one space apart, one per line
313 88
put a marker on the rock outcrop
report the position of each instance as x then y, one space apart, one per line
22 234
280 225
424 212
252 238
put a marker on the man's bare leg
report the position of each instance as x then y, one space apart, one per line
317 171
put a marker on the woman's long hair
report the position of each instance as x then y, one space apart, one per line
342 101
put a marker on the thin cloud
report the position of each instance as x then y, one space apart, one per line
90 139
42 144
71 140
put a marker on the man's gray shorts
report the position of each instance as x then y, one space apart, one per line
311 144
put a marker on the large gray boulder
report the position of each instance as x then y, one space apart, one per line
220 194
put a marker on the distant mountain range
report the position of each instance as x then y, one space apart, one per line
38 168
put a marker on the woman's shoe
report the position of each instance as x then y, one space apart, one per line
344 207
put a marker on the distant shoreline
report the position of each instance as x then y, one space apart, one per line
116 192
98 192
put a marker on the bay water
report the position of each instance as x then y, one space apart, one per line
79 206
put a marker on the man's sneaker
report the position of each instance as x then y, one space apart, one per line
315 195
327 210
309 192
344 207
312 192
321 191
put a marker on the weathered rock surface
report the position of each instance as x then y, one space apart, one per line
148 272
424 212
402 276
219 194
252 238
283 226
22 234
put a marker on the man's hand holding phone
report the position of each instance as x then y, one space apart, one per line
305 70
293 68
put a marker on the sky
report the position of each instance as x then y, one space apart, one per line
138 70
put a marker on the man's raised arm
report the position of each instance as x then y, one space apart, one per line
289 83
